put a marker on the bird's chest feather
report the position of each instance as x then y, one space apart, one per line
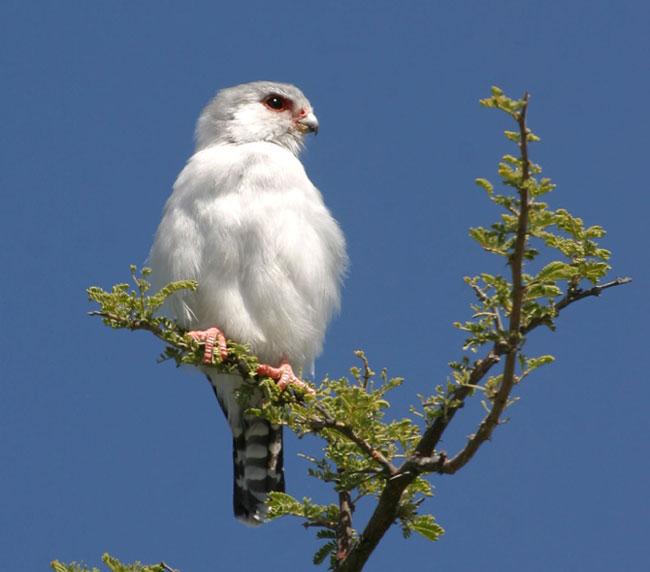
267 255
265 225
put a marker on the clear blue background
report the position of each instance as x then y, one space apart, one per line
101 449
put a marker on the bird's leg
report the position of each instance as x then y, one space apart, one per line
210 337
283 375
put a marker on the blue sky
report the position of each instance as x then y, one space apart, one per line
102 449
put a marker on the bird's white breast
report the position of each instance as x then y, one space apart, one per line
249 226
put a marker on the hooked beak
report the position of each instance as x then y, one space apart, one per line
307 124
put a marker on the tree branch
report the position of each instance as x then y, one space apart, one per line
516 265
432 435
181 344
137 325
483 297
328 422
344 528
574 294
380 521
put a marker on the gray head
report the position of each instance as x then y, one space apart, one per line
257 111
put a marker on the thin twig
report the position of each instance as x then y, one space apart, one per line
320 523
483 297
138 325
180 344
433 433
317 424
367 372
573 295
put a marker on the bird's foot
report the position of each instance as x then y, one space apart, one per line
210 337
284 376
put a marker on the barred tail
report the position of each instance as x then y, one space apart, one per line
258 468
257 453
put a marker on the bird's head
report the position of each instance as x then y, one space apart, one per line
258 111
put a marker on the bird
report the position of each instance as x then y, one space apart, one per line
247 224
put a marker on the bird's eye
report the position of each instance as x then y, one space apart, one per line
276 103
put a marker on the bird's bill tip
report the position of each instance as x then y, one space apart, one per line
308 124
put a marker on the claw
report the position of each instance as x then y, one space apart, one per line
210 337
284 376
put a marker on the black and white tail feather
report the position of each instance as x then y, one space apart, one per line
258 464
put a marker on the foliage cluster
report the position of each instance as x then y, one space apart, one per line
113 564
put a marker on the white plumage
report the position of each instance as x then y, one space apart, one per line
247 224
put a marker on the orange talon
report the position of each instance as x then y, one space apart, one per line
284 376
210 336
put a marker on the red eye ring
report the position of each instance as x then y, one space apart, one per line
276 102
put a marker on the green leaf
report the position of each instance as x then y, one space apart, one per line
323 552
427 527
556 271
534 363
485 184
542 290
594 232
